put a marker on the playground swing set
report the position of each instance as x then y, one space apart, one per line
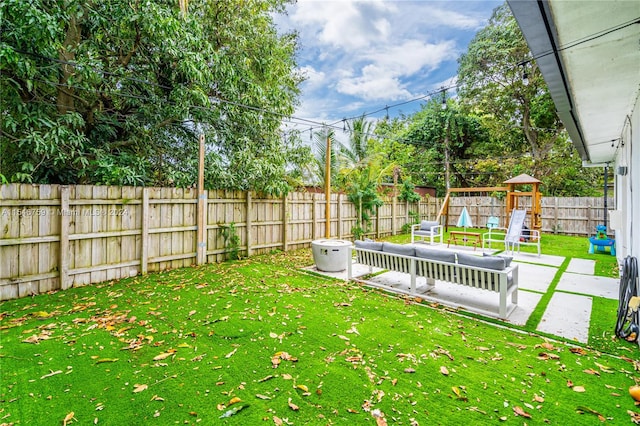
514 202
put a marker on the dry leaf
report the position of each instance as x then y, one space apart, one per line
230 354
409 370
191 313
52 373
277 420
302 388
537 398
444 370
579 389
260 396
591 371
518 411
234 400
164 355
293 406
139 388
67 419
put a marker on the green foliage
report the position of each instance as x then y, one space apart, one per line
408 193
118 93
361 187
318 172
231 240
526 135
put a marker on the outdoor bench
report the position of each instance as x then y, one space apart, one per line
492 273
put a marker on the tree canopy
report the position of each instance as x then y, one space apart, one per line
117 92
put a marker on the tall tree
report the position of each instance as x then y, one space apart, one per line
444 135
500 82
357 148
116 92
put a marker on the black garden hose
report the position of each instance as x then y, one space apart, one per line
627 326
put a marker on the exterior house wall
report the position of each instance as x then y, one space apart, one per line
628 186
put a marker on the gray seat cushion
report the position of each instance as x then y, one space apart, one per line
435 254
489 262
427 225
507 259
369 245
402 249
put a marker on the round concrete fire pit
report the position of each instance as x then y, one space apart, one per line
331 255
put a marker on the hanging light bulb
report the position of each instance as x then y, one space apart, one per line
444 99
310 133
387 115
344 124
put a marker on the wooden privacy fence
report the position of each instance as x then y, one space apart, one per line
54 237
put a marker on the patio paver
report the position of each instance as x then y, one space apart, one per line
567 315
582 266
589 284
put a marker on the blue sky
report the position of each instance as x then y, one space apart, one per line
360 56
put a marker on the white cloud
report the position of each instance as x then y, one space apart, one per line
313 77
344 24
359 55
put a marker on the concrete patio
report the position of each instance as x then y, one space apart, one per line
567 314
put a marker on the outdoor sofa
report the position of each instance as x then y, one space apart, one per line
491 273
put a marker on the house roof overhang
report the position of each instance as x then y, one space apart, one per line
589 55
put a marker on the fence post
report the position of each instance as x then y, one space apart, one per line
249 223
285 222
394 202
201 250
555 215
314 219
144 239
589 208
65 213
339 225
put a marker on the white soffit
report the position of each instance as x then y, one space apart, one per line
599 46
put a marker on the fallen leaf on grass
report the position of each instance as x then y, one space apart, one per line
103 360
582 410
545 356
52 373
139 388
579 389
303 388
591 371
518 411
68 418
293 406
635 417
233 411
444 371
164 355
578 351
260 396
230 354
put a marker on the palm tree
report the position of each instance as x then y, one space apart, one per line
357 150
320 155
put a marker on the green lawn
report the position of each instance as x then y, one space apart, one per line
266 343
